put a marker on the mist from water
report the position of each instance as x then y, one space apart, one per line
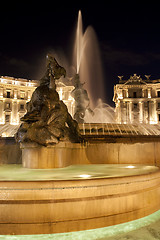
103 113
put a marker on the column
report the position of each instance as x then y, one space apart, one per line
124 115
155 113
29 95
127 92
1 92
2 121
146 112
130 111
72 108
149 92
149 112
118 111
15 93
14 116
140 112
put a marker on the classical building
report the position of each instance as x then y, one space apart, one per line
15 93
137 100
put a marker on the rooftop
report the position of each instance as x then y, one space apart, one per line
135 79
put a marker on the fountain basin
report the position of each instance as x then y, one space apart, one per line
125 152
89 199
110 150
105 144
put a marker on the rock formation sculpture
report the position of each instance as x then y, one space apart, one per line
47 120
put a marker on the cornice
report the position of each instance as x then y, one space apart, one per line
27 88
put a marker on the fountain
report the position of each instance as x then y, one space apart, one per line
102 113
87 63
47 124
77 176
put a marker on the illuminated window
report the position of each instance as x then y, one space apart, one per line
8 105
124 93
22 95
7 118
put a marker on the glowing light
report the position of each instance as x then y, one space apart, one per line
70 97
149 93
85 175
4 134
130 166
120 96
14 123
154 119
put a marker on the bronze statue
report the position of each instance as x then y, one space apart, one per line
81 100
47 120
54 71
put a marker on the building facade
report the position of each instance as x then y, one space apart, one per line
137 100
15 93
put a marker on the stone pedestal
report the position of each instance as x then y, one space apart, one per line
56 156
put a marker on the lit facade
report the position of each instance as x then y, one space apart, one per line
137 100
15 93
64 92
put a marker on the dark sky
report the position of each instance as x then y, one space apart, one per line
128 34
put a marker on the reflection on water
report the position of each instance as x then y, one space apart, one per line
73 172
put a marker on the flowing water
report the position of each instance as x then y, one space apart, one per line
8 130
103 113
87 61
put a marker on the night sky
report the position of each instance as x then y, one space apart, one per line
128 34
